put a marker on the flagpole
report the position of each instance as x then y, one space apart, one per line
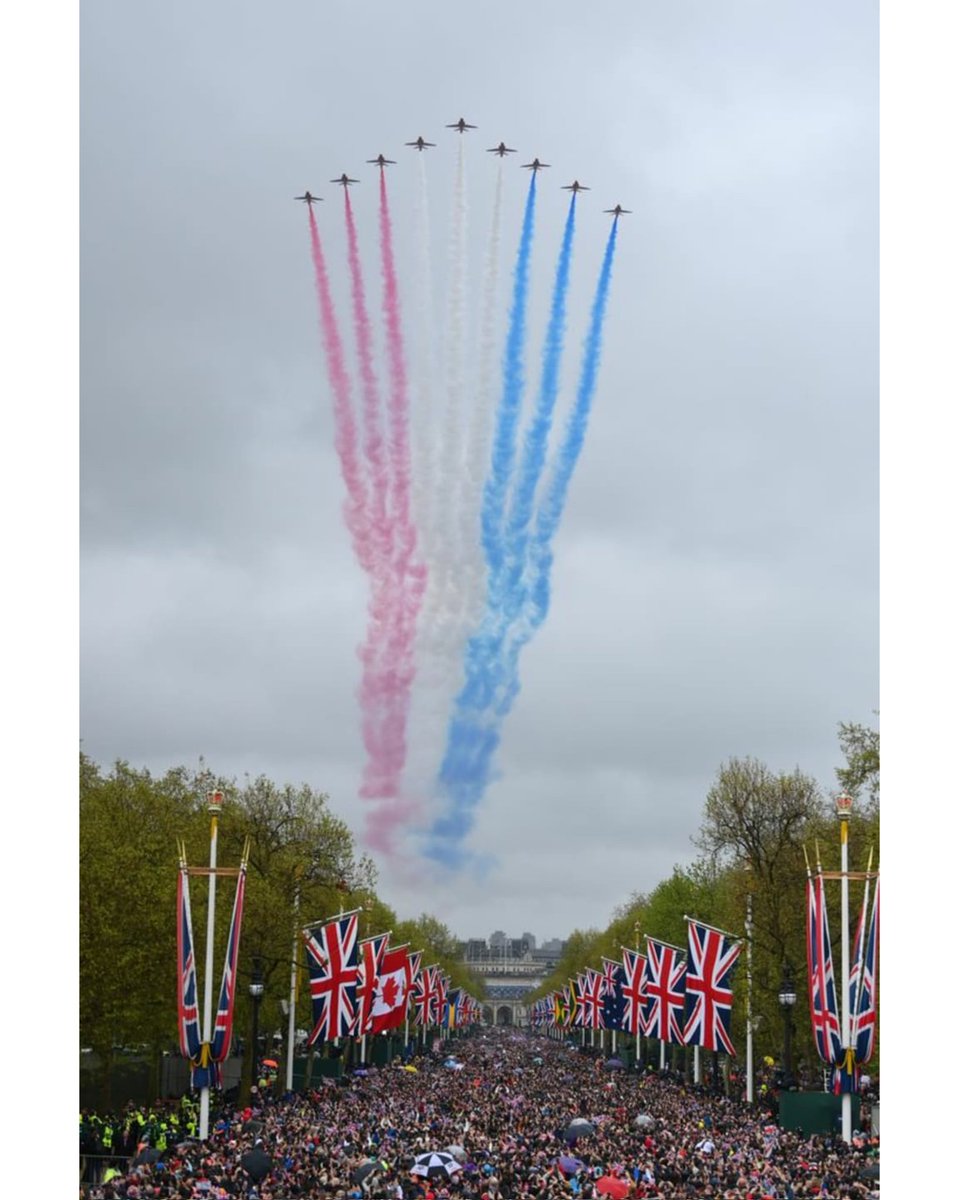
291 1027
749 989
843 809
214 803
639 1012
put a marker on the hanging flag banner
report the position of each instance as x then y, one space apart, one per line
331 953
634 993
711 957
823 1013
864 981
614 1002
665 986
223 1024
392 990
370 962
188 1013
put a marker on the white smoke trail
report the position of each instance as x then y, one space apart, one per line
440 610
480 431
439 632
423 495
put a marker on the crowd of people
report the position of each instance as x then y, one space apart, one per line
517 1117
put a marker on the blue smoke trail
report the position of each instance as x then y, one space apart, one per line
475 735
537 437
467 747
550 512
507 418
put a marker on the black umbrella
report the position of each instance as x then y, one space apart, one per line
146 1156
365 1170
614 1064
577 1128
435 1163
252 1126
870 1172
257 1163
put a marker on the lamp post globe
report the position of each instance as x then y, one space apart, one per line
256 995
787 1000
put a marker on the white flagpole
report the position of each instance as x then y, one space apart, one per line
214 802
749 992
697 1073
291 1027
843 809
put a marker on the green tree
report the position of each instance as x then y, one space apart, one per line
860 747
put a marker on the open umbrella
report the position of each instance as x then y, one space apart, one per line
610 1185
257 1163
457 1152
270 1062
252 1126
569 1165
146 1156
365 1170
577 1128
538 1061
614 1064
435 1164
644 1121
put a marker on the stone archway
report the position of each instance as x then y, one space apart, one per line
488 1015
504 1015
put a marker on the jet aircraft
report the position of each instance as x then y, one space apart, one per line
308 198
420 144
460 125
535 165
618 210
380 161
502 149
344 180
575 186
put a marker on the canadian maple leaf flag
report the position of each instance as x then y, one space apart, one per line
392 990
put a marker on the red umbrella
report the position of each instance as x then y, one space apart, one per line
609 1185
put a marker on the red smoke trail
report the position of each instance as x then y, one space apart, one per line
344 424
372 434
387 672
406 583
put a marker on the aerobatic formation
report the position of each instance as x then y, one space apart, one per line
454 492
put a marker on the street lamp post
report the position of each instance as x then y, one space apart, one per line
256 995
787 999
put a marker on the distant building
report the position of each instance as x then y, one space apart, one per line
529 940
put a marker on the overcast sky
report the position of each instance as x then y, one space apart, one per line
716 580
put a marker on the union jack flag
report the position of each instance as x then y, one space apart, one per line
441 991
331 955
424 996
188 1016
634 995
823 1013
223 1022
368 971
592 998
710 960
863 980
664 983
414 961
